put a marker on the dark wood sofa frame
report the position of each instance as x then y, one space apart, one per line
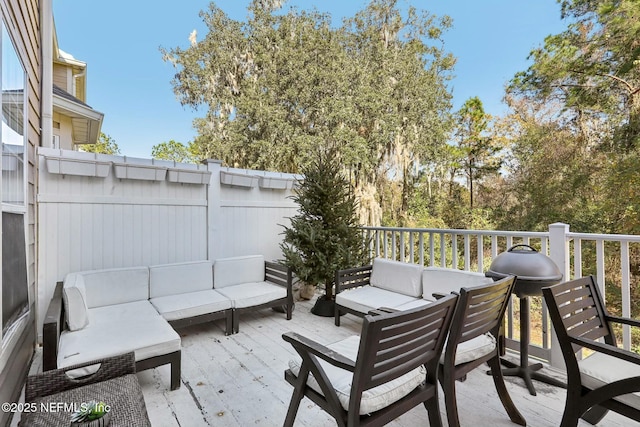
347 279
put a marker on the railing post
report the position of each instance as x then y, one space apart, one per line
213 210
559 253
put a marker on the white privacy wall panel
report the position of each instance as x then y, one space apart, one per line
97 222
248 220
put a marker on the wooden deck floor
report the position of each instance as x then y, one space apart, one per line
238 381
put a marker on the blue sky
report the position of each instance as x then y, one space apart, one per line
130 84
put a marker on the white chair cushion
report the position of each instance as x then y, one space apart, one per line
190 304
180 278
75 302
367 298
599 369
373 399
412 304
117 329
254 293
116 286
237 270
397 276
473 349
447 280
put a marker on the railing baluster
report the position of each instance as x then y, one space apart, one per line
626 293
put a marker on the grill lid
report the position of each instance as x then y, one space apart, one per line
526 263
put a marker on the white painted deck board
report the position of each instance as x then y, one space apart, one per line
238 381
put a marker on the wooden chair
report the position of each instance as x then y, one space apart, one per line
602 380
473 340
371 380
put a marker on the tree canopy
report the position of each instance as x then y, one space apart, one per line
285 83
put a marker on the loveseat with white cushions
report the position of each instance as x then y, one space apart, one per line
396 285
102 313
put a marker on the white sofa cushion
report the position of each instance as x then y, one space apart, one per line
190 304
473 349
599 369
237 270
116 286
253 293
367 298
117 329
397 276
373 399
180 278
75 302
447 280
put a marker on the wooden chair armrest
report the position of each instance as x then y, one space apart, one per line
382 310
624 320
610 350
303 344
52 327
57 380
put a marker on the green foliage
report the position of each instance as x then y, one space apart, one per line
476 153
105 145
324 236
285 84
175 151
592 69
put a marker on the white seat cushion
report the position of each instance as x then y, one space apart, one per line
367 298
397 276
473 349
254 293
447 280
373 399
412 304
599 369
180 278
238 270
117 329
190 304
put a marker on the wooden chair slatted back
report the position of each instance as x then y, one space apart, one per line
480 310
393 344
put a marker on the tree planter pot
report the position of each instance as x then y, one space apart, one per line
324 307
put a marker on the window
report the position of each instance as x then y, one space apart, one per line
15 287
13 114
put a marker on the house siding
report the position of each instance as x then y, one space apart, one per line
22 20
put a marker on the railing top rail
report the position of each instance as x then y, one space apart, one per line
606 237
536 234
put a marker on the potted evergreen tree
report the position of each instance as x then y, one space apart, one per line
324 236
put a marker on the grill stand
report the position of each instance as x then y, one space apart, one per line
526 371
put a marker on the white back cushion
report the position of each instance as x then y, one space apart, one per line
75 301
180 278
236 270
447 280
116 286
397 276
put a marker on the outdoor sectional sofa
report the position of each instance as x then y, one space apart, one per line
397 285
102 313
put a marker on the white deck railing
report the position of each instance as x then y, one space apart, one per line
607 257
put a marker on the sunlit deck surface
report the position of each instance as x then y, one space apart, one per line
238 381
